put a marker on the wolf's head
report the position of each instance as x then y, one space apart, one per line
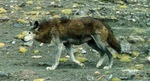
39 32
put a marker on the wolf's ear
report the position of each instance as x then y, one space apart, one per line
36 24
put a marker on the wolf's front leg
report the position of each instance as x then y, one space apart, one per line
58 50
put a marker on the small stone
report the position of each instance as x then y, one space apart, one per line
52 3
67 56
83 52
89 78
18 25
125 47
3 74
41 44
36 57
92 50
80 48
148 58
13 42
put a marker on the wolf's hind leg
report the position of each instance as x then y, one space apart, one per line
70 52
92 44
101 45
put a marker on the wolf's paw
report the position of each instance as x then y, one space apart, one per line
82 65
107 67
50 68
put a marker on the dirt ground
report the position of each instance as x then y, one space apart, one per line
16 66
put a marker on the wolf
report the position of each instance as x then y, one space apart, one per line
68 32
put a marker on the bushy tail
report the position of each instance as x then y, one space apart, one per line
112 41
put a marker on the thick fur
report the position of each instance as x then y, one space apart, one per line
67 32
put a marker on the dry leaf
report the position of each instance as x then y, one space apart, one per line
2 44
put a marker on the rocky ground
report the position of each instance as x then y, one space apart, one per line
129 20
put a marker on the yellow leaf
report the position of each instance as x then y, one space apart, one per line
125 58
139 66
123 7
2 44
29 2
22 49
56 16
20 36
66 11
21 21
75 5
24 33
116 79
33 13
2 10
39 79
38 8
81 59
63 59
135 53
36 51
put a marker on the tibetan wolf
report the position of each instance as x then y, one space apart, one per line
96 33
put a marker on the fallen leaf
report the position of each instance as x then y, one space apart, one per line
22 49
97 73
21 21
56 16
33 13
2 10
20 36
82 59
135 53
37 8
39 79
29 2
2 44
66 11
36 51
125 58
116 79
123 7
63 59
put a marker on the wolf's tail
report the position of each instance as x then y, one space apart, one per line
112 41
